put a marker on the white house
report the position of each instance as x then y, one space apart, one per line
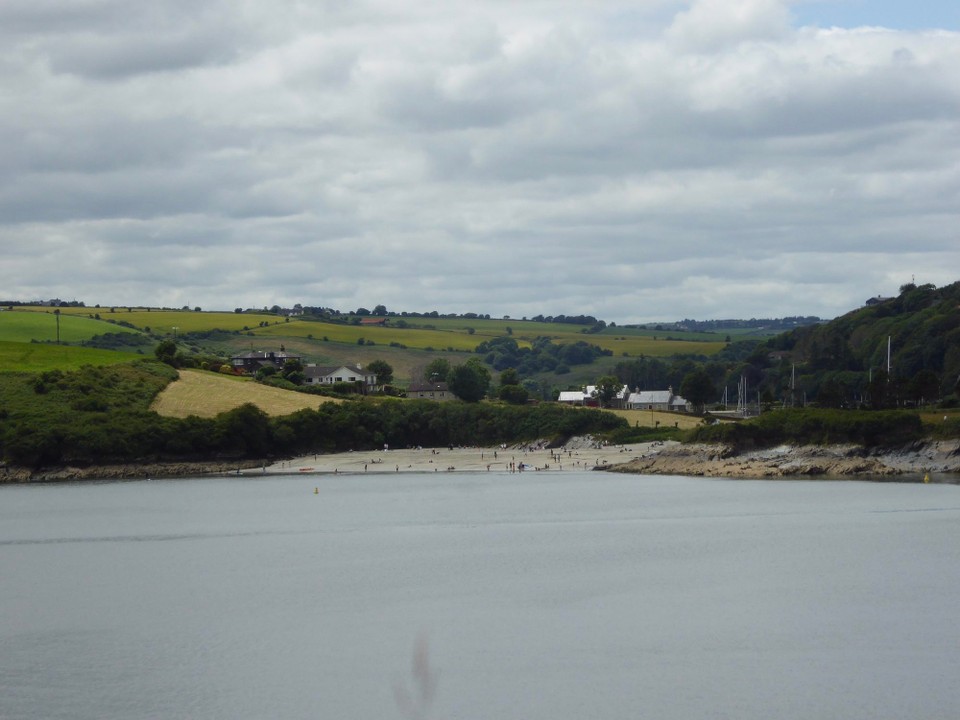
330 374
589 394
657 400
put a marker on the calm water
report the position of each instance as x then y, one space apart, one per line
582 595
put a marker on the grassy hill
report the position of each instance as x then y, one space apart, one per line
16 326
39 357
846 358
411 332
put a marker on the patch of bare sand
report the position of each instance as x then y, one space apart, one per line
584 455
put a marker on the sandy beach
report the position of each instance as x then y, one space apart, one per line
579 454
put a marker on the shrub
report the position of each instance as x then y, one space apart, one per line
812 426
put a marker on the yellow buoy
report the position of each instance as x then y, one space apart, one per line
316 491
926 477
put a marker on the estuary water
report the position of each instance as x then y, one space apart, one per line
532 596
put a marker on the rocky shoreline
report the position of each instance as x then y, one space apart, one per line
939 460
128 471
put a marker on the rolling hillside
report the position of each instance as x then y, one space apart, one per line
39 357
17 326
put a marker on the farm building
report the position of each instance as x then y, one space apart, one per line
254 360
588 396
657 400
330 374
429 391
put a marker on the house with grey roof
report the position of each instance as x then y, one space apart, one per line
425 390
663 400
252 361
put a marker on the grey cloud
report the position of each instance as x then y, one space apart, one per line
521 158
107 59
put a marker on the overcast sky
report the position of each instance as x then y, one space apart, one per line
635 160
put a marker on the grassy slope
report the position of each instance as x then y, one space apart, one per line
42 327
425 339
38 357
206 394
164 321
446 334
436 333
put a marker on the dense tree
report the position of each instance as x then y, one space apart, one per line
697 388
509 377
607 388
469 381
924 387
437 370
513 394
511 390
383 370
166 352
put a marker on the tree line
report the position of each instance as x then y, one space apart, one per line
102 416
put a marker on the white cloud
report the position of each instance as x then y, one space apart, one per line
504 157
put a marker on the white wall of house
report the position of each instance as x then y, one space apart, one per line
342 374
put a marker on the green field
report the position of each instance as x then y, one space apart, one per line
42 327
447 333
38 357
171 322
422 333
335 332
178 322
408 349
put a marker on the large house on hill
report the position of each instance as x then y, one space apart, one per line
331 374
252 361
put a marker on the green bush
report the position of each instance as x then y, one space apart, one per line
809 426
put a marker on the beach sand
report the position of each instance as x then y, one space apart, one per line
578 455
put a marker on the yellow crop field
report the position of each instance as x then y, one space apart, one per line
207 394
